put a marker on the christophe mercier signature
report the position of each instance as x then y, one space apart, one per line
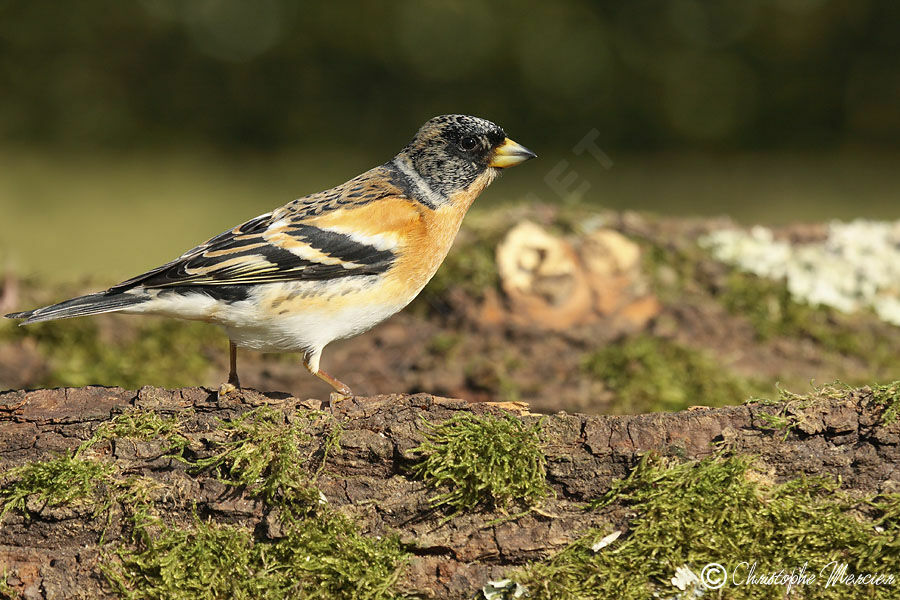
832 574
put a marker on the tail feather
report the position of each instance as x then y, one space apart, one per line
92 304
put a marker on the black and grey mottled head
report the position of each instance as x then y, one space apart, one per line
451 151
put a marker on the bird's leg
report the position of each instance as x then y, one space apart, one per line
339 386
232 374
234 383
311 362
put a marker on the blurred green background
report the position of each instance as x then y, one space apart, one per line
130 131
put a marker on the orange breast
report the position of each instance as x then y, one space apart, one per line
423 236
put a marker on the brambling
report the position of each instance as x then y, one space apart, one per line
329 265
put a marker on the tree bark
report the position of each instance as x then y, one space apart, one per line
54 552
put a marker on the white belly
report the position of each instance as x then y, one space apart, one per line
255 324
311 329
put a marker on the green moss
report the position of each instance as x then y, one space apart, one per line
166 352
59 481
141 425
653 374
72 479
6 591
265 454
483 460
888 396
885 512
773 312
677 271
720 510
792 407
319 553
789 414
320 557
781 422
672 270
261 452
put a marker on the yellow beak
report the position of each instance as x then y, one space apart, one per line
510 154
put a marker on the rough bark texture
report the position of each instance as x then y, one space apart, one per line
54 553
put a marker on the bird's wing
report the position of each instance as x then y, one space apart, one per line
284 245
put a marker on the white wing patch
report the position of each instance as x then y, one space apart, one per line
379 241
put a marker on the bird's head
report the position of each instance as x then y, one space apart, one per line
454 152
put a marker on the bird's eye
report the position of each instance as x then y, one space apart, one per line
468 143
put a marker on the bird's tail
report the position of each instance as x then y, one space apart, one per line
92 304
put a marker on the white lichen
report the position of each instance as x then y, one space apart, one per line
856 267
685 578
505 589
689 586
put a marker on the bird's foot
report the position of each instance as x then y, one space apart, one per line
341 390
227 389
336 397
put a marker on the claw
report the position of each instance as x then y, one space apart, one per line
341 390
336 397
227 388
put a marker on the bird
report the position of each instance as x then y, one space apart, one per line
326 266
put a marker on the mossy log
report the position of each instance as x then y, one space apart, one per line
61 550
